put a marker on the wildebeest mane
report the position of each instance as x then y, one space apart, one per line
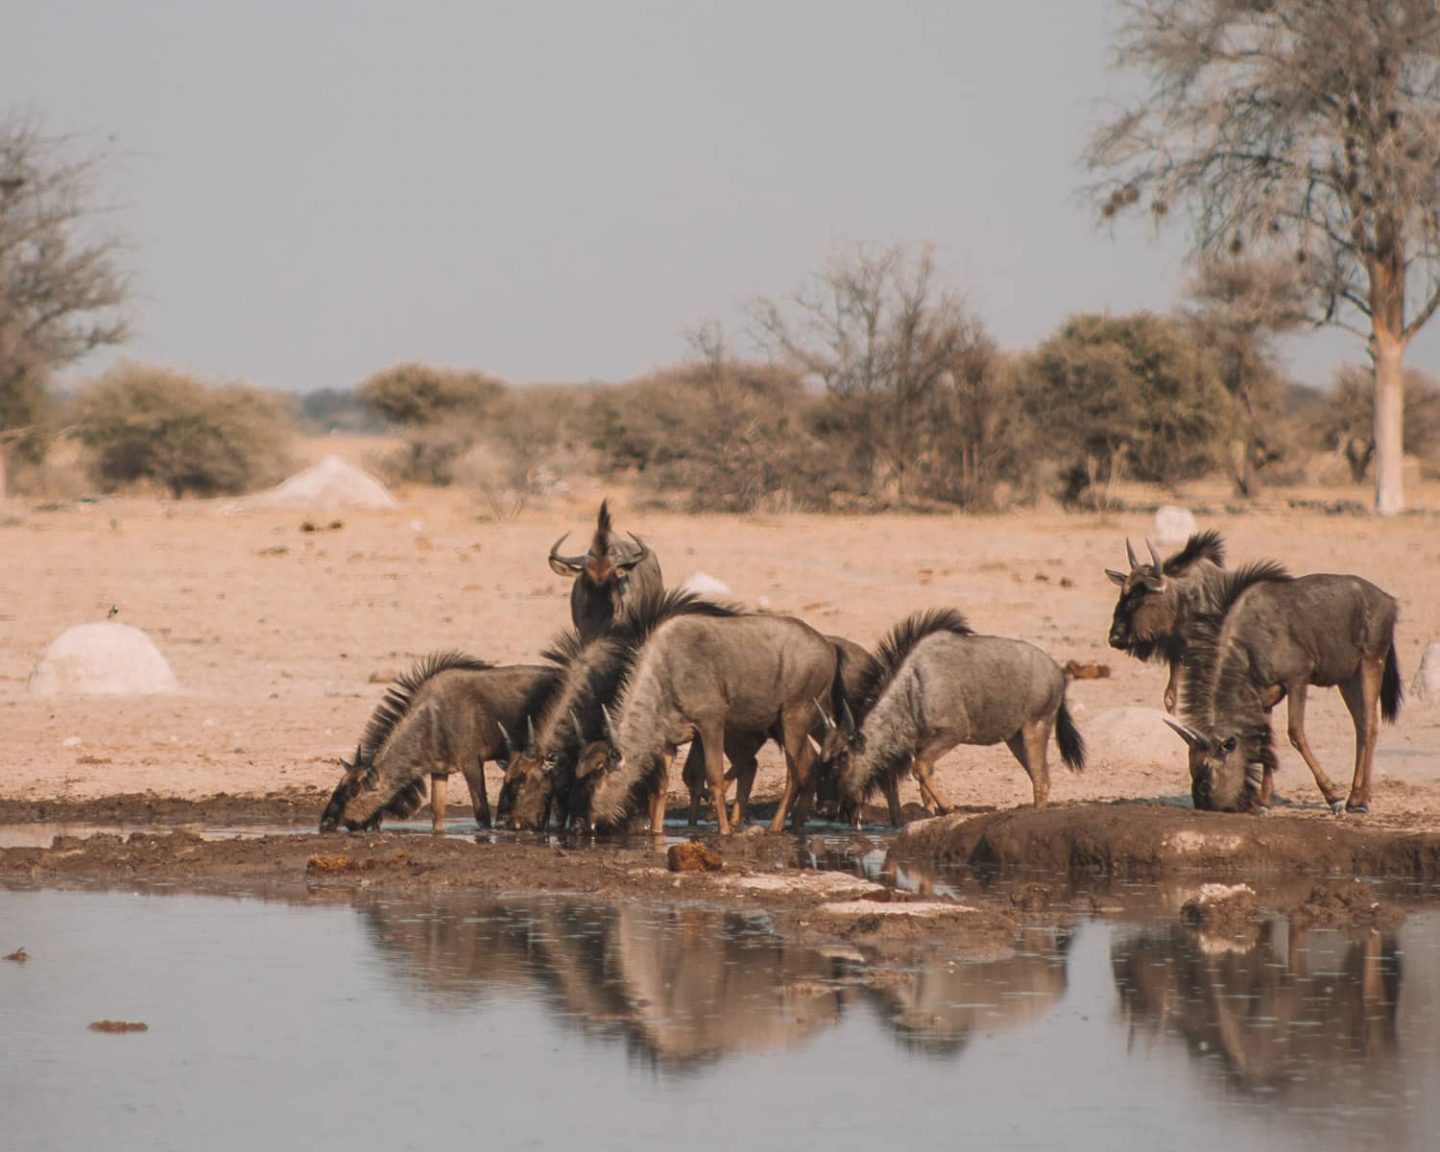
398 699
1207 673
600 542
898 643
648 611
1207 545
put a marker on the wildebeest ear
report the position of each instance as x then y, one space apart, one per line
1117 578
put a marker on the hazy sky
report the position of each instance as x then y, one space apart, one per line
559 191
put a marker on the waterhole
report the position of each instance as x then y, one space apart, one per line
342 1021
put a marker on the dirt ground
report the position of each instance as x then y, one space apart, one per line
283 638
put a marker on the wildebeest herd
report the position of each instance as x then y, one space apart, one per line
588 737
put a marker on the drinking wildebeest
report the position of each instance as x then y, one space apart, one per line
1271 637
607 577
948 687
543 773
699 677
1157 598
442 716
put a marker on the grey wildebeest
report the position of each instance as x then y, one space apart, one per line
445 715
551 770
1270 637
944 686
699 677
608 576
1156 600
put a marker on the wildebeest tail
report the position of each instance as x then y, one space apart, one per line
1072 744
1391 693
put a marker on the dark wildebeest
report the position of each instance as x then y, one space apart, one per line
1156 600
550 771
445 715
1271 637
699 677
607 578
946 686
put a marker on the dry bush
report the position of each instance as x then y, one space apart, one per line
1344 421
722 434
143 423
441 412
526 444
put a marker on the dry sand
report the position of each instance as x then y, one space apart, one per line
281 638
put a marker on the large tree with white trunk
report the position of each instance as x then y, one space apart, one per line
1298 129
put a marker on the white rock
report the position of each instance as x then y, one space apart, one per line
1137 738
333 483
1172 525
703 584
1426 685
70 742
102 659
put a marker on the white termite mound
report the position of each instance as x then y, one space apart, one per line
1426 685
102 659
332 483
1172 525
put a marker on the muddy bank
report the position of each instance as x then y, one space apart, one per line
1129 839
291 806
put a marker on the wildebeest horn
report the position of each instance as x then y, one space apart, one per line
848 718
825 720
1129 553
579 728
530 736
1155 557
1186 734
564 565
609 728
637 554
509 743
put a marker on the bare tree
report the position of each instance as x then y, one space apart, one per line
888 344
61 288
1304 129
1240 305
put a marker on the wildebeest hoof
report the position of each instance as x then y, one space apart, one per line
1358 809
1338 807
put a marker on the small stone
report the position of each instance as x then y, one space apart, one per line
693 857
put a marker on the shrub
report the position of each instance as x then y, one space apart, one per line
145 423
1344 421
420 395
1132 394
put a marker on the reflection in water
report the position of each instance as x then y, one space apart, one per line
686 985
1310 1013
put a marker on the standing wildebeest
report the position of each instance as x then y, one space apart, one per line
699 677
550 771
442 716
607 578
1156 600
946 686
1271 637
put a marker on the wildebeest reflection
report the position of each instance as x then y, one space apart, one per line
936 1006
683 986
1305 1012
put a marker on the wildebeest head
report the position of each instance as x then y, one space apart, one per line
840 740
356 801
602 575
1145 612
1227 771
529 784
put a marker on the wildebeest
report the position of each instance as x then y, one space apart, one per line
444 715
944 686
608 576
1157 598
699 677
1270 637
550 770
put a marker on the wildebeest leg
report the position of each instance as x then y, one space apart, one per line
1362 698
437 802
479 799
741 752
1302 745
713 741
1272 696
892 797
694 776
662 789
794 739
924 776
1030 746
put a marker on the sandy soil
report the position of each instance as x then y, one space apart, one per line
282 638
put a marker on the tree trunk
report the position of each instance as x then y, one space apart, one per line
1389 353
